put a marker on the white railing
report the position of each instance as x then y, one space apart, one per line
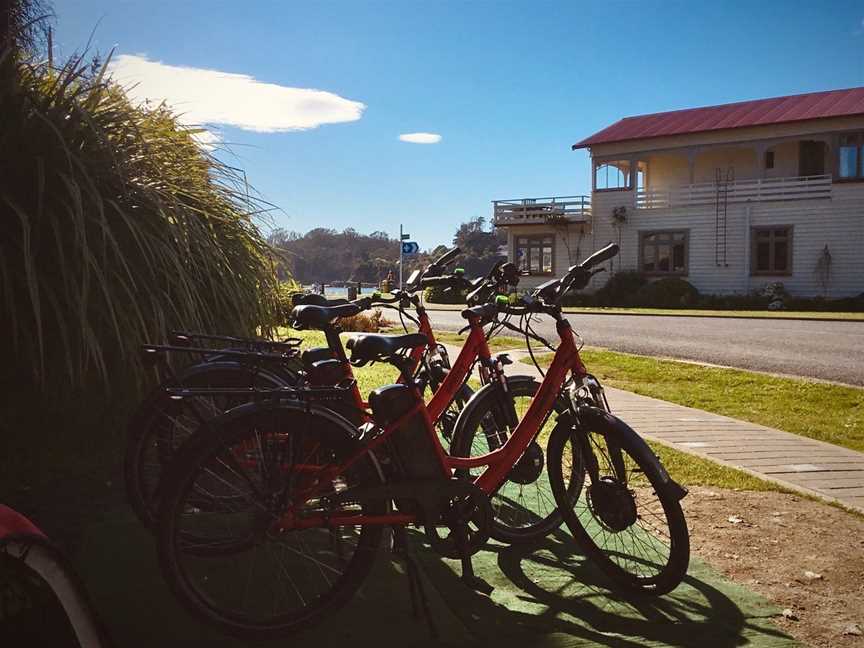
758 190
564 209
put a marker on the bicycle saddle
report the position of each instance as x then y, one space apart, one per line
483 311
321 317
314 299
368 348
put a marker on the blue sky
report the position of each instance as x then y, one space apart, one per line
508 87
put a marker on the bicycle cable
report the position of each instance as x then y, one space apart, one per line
531 333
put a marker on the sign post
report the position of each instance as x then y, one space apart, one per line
402 237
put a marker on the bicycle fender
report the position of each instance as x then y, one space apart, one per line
221 425
476 398
596 420
215 365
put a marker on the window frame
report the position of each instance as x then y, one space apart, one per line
859 147
596 164
772 272
643 234
538 238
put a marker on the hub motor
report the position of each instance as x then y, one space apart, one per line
613 503
528 469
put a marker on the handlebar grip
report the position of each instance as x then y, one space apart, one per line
363 303
428 282
601 255
448 257
495 267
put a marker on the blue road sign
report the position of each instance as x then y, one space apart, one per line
410 247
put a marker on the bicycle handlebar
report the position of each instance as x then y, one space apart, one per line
601 255
447 258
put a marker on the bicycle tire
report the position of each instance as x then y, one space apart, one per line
522 512
607 521
153 429
331 436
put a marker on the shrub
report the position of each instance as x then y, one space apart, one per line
668 292
115 227
366 322
848 304
578 299
285 292
620 288
441 295
733 302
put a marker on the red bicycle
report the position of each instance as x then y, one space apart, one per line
275 515
227 370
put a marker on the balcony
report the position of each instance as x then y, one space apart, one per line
555 210
755 190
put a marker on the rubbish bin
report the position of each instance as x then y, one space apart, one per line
352 293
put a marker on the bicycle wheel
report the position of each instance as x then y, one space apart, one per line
231 541
524 508
446 423
161 424
628 518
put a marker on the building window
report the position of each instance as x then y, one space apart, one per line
535 254
771 250
663 253
849 165
612 175
769 160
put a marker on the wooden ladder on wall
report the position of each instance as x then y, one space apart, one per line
721 183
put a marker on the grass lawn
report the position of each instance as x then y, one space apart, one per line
686 468
695 312
496 343
830 413
368 377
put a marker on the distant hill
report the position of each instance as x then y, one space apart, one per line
326 255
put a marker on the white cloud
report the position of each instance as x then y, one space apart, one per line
420 138
207 138
205 97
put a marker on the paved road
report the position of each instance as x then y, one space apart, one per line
817 349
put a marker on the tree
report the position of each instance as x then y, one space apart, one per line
479 246
325 255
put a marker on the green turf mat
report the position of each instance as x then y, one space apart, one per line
544 596
550 595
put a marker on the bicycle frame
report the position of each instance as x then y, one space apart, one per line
498 463
475 347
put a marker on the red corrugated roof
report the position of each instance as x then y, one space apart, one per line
813 105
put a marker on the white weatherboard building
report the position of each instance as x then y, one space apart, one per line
728 197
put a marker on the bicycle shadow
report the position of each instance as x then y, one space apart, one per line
548 593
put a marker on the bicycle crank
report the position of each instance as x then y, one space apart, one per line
465 524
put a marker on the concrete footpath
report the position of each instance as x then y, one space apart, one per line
821 469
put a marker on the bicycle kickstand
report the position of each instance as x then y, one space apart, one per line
468 576
419 602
